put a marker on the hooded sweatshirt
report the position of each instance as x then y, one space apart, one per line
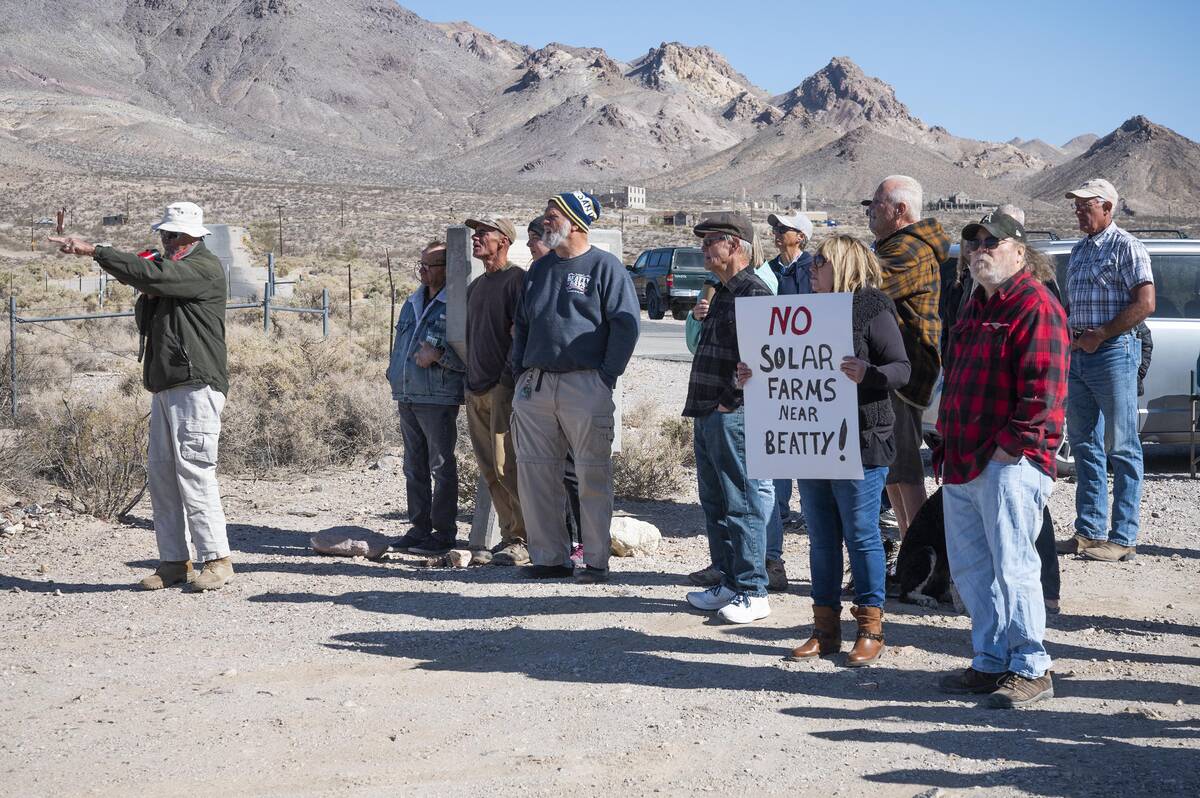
911 258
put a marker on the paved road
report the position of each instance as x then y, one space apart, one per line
662 340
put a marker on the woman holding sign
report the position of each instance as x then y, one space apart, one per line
847 511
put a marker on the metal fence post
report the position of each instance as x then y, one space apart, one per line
266 308
271 271
324 312
12 356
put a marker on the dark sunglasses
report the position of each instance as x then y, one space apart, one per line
168 235
991 242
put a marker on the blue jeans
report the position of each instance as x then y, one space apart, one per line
842 510
783 497
1102 418
429 432
736 507
992 523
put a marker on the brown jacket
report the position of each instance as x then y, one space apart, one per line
911 258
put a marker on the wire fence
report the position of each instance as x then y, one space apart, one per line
17 379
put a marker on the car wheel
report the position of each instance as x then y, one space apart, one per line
654 307
679 312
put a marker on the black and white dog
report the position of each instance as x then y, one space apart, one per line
923 570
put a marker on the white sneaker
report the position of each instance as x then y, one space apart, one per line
745 608
714 598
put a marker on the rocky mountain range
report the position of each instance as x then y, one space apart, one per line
365 90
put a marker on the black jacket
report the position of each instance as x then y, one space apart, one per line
877 340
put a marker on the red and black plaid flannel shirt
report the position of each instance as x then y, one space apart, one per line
1006 381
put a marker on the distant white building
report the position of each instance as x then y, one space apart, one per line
625 197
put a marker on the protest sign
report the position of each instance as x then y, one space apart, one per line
801 410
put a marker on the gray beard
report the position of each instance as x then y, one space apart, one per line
553 239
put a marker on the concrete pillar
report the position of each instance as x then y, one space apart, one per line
461 269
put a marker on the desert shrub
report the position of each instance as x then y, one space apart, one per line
94 449
679 434
297 402
647 467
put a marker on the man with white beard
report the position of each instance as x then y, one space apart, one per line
576 326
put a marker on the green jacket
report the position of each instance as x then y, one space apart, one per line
181 314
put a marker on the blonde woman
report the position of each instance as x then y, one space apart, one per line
846 512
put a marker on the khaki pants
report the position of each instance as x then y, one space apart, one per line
181 471
488 418
553 414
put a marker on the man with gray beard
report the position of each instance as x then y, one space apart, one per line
576 326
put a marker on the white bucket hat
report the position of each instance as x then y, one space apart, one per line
183 217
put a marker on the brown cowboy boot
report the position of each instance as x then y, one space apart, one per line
168 573
869 644
826 635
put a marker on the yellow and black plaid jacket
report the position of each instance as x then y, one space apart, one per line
911 259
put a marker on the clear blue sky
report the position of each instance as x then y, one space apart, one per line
1063 74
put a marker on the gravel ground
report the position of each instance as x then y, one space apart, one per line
323 676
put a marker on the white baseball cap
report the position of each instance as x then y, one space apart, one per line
183 217
1096 187
797 221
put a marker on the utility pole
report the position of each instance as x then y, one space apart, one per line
280 209
343 214
349 300
392 286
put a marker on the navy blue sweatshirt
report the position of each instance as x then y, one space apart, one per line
576 314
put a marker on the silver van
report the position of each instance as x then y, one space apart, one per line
1164 411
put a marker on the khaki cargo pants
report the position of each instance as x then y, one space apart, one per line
554 413
489 417
185 423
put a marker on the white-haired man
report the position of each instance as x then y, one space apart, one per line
911 251
1110 291
181 317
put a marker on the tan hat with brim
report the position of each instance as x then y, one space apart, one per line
1096 187
497 223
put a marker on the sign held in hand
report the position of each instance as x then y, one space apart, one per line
801 410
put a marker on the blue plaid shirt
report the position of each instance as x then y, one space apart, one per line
1102 272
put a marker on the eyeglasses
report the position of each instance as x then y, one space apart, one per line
421 265
1083 206
711 240
169 235
991 242
779 229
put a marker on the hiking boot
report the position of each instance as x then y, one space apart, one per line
712 599
587 575
1107 551
433 546
512 553
547 571
869 643
409 539
168 572
705 577
826 635
1075 544
745 608
1019 691
777 581
214 576
480 557
971 681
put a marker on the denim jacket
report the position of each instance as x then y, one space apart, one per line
441 383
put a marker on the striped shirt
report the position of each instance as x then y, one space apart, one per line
1103 270
711 382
